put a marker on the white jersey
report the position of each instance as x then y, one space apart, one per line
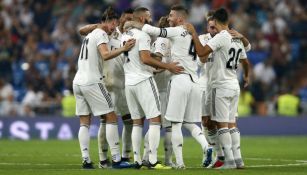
182 47
135 70
90 61
223 72
162 46
204 68
113 68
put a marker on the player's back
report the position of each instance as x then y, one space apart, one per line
89 61
135 70
113 69
223 73
182 50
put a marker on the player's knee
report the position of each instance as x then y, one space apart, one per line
85 120
111 117
155 120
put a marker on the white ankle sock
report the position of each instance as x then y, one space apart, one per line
154 140
146 148
225 141
197 134
177 142
136 138
168 145
102 142
113 141
235 137
126 139
84 141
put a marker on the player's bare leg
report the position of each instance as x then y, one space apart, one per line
84 141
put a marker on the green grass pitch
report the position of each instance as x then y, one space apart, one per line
262 155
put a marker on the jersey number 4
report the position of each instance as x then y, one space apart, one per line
232 63
84 46
192 50
126 53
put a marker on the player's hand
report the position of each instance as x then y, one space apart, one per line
245 81
235 34
190 28
174 68
129 44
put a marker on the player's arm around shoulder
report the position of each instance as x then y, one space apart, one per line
106 54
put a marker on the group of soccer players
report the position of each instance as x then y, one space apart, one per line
176 81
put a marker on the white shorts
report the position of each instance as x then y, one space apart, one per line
184 100
143 99
120 103
224 104
92 99
163 100
205 109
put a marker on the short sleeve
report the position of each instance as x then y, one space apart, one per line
160 46
243 54
216 42
144 42
101 37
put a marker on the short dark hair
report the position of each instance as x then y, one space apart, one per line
221 15
140 9
109 14
180 8
163 22
210 15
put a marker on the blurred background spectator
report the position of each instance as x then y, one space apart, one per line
39 46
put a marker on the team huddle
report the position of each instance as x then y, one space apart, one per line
168 75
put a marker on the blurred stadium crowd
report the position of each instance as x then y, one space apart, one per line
39 46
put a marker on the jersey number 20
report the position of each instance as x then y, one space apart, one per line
232 63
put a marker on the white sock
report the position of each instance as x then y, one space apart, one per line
126 139
84 141
198 135
177 142
213 140
102 141
168 146
146 148
235 137
136 138
225 141
154 140
113 141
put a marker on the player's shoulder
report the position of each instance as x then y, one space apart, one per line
237 42
205 37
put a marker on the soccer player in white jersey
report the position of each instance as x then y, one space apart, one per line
184 101
161 50
115 83
92 98
224 83
141 90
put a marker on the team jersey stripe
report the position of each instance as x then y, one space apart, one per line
106 95
213 101
168 91
154 92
